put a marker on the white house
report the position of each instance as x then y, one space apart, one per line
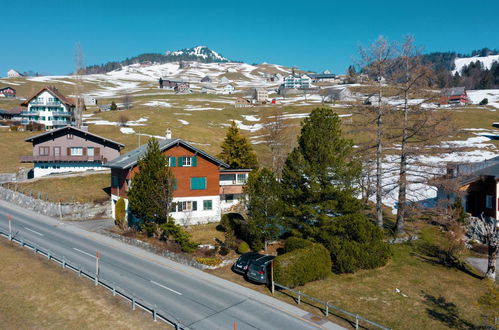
13 74
49 108
297 81
89 100
228 89
260 95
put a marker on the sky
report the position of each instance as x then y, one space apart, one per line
312 35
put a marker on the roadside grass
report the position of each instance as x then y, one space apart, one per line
12 146
36 294
438 296
84 188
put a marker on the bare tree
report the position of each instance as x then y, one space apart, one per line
127 101
278 138
79 70
123 120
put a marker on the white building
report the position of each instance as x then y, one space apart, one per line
260 95
13 74
228 89
297 81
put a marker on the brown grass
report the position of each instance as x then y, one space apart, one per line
205 234
36 294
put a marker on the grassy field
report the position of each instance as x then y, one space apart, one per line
88 188
36 294
439 296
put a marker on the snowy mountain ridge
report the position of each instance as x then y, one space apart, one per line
201 52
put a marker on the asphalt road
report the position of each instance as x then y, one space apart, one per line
197 299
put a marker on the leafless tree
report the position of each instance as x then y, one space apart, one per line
123 120
79 70
278 137
127 101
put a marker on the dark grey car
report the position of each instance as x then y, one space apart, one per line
259 270
241 265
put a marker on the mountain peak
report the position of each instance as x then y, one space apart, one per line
203 53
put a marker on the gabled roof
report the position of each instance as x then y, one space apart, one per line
455 91
55 92
471 172
130 159
69 130
8 87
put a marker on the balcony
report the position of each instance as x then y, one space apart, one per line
60 122
34 102
60 158
61 113
30 113
52 103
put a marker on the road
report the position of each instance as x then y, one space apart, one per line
197 299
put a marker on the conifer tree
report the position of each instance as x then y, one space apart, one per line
151 194
236 150
113 106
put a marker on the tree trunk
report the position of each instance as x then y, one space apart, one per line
491 267
402 198
379 155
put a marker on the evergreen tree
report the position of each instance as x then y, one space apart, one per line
150 196
264 209
113 106
236 150
319 174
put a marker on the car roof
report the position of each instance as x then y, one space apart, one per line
263 259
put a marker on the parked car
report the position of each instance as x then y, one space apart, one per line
259 270
241 265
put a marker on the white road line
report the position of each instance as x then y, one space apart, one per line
88 254
165 287
33 231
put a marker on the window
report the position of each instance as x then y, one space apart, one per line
172 161
241 178
198 183
187 161
90 151
489 201
207 205
229 198
187 206
43 151
57 151
76 151
69 136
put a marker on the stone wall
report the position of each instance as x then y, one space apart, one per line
73 211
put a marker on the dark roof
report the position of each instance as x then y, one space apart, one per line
455 91
53 91
474 171
322 75
17 110
8 87
74 129
131 158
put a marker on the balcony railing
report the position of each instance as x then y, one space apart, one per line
30 113
60 122
52 103
61 158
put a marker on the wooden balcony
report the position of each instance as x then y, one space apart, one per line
62 158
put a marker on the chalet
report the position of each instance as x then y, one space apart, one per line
70 149
260 95
454 96
205 186
208 90
172 84
316 77
206 79
241 102
49 108
478 187
182 88
5 115
89 100
7 92
13 74
228 89
296 81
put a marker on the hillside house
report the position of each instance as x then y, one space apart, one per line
13 74
294 81
89 100
49 108
241 102
206 79
172 84
69 149
454 96
478 187
205 189
260 95
7 92
208 90
182 88
228 89
333 94
224 80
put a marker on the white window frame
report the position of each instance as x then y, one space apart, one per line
76 151
187 161
90 151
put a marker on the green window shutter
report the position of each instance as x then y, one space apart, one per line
172 162
180 161
174 184
194 161
194 206
198 183
207 204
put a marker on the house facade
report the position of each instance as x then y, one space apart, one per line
228 89
49 108
205 186
260 95
13 74
454 96
477 185
297 81
70 149
7 92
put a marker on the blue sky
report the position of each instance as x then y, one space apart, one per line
313 35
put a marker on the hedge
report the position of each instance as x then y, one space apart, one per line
301 266
243 248
294 243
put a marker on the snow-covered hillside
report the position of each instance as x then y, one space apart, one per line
464 61
200 52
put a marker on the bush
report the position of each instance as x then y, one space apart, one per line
301 266
485 101
170 230
294 243
354 243
120 213
243 248
209 261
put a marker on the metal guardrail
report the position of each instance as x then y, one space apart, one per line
157 314
327 306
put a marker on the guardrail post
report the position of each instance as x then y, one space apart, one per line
63 263
299 297
48 255
356 322
79 270
133 302
327 309
154 317
22 242
114 289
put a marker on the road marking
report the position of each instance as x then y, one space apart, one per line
88 254
33 231
165 287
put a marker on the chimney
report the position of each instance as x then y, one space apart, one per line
168 133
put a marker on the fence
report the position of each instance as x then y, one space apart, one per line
135 301
328 306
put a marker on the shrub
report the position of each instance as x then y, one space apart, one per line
354 243
302 265
209 261
243 248
170 230
485 101
294 243
120 213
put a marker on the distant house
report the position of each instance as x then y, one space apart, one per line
334 94
454 96
260 95
208 90
49 108
13 74
316 77
182 88
172 84
205 186
69 149
242 103
90 100
297 81
7 92
228 89
224 80
5 115
478 187
206 79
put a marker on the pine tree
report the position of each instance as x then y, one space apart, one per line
150 197
236 150
319 174
113 106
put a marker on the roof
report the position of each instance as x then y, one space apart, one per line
53 91
455 91
474 171
69 129
131 158
8 87
17 110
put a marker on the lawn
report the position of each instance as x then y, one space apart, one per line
85 188
437 296
36 294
